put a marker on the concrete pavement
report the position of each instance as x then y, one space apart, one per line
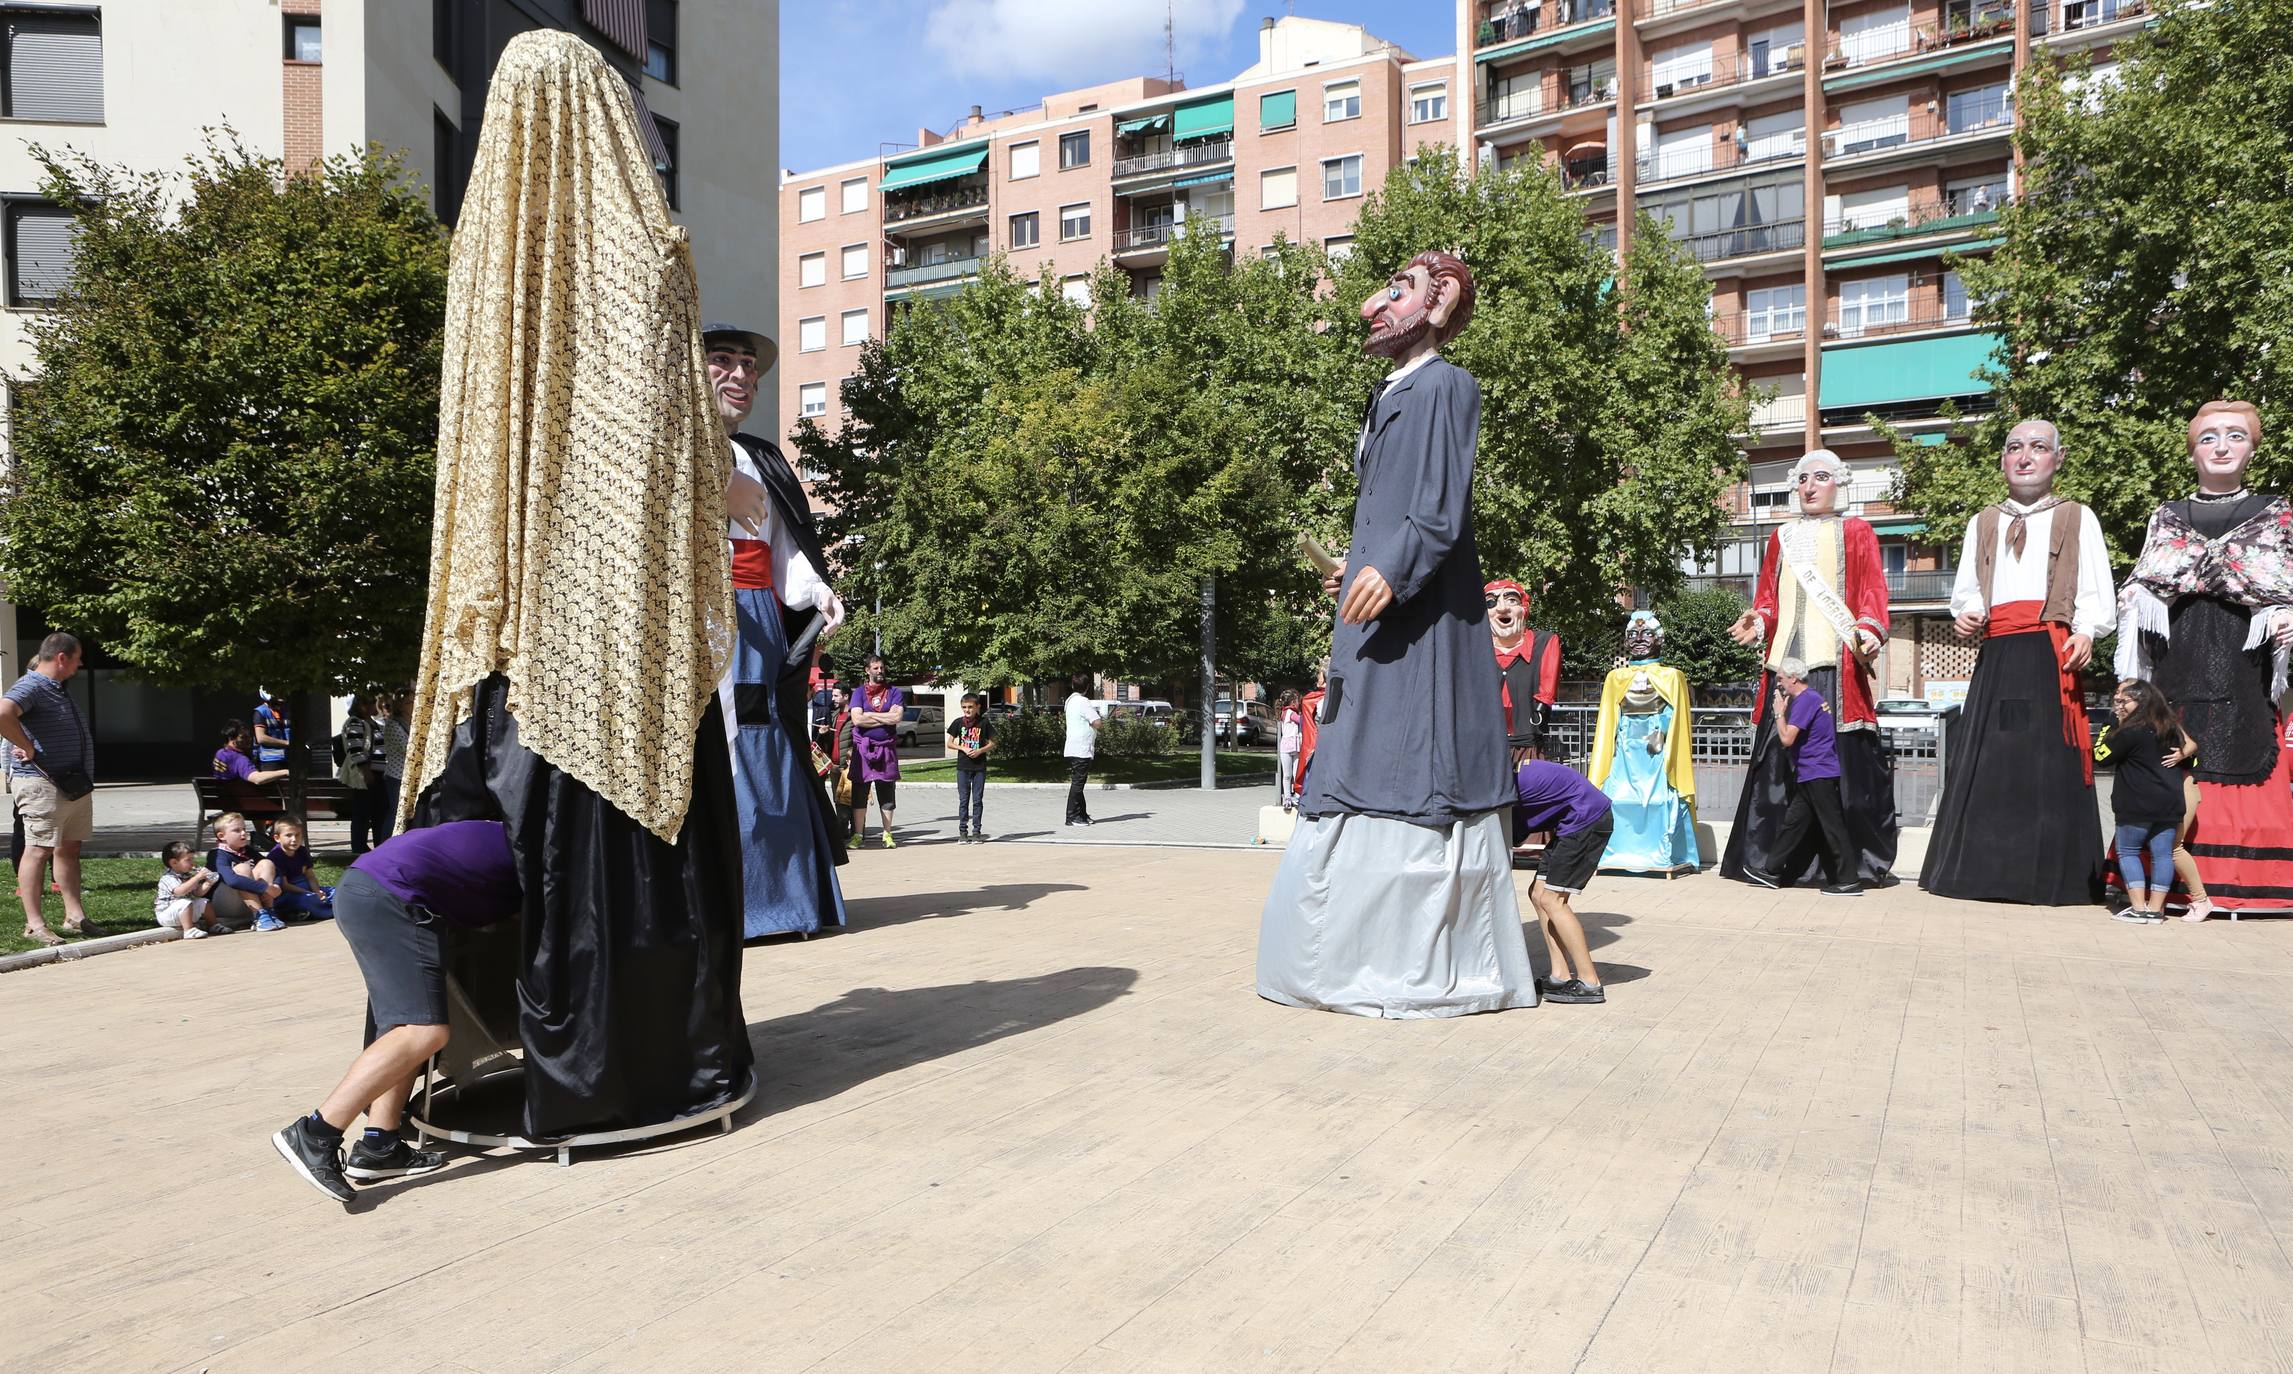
1026 1114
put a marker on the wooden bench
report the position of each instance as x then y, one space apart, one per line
263 803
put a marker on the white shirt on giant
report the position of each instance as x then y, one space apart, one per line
1082 740
793 576
2094 611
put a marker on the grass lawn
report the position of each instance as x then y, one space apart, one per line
1233 765
117 894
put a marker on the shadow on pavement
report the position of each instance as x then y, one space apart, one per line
869 913
869 1032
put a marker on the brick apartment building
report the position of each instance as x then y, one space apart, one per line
136 83
1912 158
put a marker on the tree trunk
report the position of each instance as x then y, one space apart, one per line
1210 685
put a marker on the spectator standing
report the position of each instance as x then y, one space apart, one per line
236 759
184 889
1085 717
53 777
361 772
1804 726
972 736
877 710
395 706
1289 738
273 731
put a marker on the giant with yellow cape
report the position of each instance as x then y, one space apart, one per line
1651 794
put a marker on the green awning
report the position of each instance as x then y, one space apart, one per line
940 166
1907 254
1898 527
1870 375
1978 52
1936 439
1144 124
1204 180
1278 110
1204 119
1547 40
1882 233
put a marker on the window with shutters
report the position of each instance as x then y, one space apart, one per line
55 67
811 204
1277 188
812 334
1026 160
1341 177
1026 230
1075 149
670 137
1873 303
1074 222
39 249
855 324
855 260
661 40
812 399
812 270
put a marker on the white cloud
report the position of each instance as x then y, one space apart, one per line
1073 42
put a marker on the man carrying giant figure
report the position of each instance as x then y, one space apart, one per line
1822 597
2018 822
581 614
2207 615
789 851
1395 896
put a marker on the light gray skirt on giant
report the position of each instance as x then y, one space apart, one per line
1383 918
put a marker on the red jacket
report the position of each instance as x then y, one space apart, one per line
1863 587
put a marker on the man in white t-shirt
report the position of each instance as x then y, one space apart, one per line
1084 717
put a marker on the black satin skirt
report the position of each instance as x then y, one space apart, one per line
2018 821
1866 794
627 980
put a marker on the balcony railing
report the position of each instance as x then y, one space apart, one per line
1205 154
1751 240
1502 21
1160 232
1875 321
1779 412
934 202
1529 104
1838 144
1923 217
2087 14
1988 21
1921 586
1733 69
923 274
1740 328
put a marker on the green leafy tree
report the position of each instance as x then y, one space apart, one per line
2146 268
223 463
1607 426
1696 637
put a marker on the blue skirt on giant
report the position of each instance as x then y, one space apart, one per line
788 874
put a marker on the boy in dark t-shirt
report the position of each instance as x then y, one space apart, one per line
972 736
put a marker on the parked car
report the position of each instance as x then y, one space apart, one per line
926 722
1257 726
1152 712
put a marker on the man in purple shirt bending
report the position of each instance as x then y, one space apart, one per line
1559 799
1804 726
389 906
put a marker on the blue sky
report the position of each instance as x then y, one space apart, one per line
857 74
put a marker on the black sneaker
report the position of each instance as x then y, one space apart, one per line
1546 987
1577 991
1762 877
1843 889
979 837
401 1160
320 1165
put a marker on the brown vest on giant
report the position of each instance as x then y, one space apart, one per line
2061 553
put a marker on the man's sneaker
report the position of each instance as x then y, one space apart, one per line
2133 915
1843 889
401 1160
1575 991
1761 876
266 921
889 842
320 1165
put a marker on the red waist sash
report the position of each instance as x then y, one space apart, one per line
2021 618
751 565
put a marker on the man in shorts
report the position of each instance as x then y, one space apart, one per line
53 777
391 906
1559 799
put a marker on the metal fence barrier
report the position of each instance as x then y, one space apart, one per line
1722 749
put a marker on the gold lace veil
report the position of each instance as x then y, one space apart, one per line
578 546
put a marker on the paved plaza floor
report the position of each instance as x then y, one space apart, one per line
1026 1114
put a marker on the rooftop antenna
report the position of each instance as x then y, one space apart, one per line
1169 42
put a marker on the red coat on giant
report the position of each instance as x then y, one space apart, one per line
1864 589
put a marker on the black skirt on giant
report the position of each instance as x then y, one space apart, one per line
627 985
2018 821
1866 794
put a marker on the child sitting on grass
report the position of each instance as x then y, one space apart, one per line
247 885
300 896
183 889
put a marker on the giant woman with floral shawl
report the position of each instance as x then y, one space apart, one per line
580 611
2207 615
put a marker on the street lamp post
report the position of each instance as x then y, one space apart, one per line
879 608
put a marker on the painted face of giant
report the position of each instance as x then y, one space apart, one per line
1818 489
1508 609
2222 437
2030 459
1643 638
1400 313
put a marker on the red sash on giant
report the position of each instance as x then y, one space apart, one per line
2021 618
751 565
